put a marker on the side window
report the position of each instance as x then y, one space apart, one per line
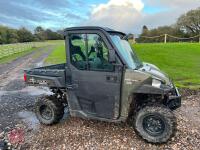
88 51
98 54
78 51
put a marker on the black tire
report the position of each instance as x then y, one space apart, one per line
49 104
155 124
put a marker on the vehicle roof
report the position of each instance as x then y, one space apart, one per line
93 28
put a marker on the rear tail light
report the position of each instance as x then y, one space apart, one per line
25 77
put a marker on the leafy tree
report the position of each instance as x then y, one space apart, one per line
51 35
9 35
145 30
60 35
187 25
12 36
190 22
38 29
160 31
40 34
3 34
25 35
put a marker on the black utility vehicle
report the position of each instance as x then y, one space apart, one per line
103 79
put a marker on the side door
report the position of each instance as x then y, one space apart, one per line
94 90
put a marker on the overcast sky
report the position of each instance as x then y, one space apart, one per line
124 15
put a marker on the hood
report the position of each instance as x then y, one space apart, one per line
155 72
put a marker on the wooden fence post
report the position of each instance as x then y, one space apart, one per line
165 39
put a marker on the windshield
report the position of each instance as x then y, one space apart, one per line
127 53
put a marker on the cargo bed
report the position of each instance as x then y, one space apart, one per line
51 76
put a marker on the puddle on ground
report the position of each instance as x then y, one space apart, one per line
39 64
29 118
2 93
34 91
30 90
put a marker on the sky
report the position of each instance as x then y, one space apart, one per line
125 15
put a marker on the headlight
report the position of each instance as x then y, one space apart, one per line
156 83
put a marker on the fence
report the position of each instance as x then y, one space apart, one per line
165 38
10 49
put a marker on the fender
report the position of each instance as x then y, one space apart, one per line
149 89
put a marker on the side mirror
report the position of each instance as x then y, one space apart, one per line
112 58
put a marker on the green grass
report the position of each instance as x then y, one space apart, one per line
180 60
15 56
58 55
17 47
55 41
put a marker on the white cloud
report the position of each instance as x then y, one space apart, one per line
118 14
136 4
128 15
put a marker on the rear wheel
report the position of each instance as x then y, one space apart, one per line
49 110
156 124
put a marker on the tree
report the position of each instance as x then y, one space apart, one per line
38 29
160 31
3 35
190 22
9 35
40 33
25 35
12 36
51 35
145 30
60 34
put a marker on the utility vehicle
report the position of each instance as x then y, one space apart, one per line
104 79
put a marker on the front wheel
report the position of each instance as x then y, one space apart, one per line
156 124
49 110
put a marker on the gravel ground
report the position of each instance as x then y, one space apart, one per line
17 100
76 133
16 112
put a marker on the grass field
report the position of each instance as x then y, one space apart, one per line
58 55
180 60
15 56
9 52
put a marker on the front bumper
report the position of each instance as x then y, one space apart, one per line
174 99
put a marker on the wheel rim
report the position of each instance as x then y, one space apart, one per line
153 125
46 112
